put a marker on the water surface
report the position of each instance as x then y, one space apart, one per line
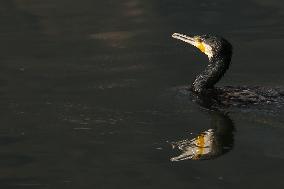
88 94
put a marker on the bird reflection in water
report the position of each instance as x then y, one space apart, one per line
209 144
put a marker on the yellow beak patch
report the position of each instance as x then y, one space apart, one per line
201 47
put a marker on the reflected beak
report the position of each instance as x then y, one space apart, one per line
185 38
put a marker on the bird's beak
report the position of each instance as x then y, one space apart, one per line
195 42
185 38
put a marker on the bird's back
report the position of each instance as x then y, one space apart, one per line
242 96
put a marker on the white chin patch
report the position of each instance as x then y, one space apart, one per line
208 51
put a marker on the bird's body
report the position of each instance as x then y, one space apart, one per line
219 52
245 95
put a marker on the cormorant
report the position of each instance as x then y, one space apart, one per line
219 52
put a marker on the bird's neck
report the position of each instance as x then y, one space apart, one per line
214 71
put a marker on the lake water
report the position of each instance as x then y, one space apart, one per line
88 94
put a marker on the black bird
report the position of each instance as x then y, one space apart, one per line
219 52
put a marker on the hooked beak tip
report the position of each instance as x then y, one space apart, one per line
174 35
178 35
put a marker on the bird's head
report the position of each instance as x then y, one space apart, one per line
210 45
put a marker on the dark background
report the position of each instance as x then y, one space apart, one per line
86 93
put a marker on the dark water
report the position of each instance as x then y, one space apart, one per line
87 94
